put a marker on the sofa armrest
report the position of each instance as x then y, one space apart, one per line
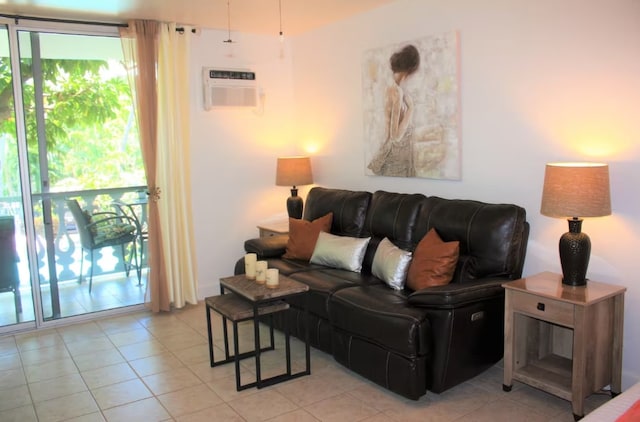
457 294
267 247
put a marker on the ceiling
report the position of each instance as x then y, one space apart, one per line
252 16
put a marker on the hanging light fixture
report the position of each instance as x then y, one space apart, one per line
228 40
280 10
281 33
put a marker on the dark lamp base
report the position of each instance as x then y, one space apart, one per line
294 204
575 249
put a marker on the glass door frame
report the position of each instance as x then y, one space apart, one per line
13 27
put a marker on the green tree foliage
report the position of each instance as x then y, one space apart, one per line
90 132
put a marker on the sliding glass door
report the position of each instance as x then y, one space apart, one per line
73 137
16 296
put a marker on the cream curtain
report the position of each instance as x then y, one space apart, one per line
174 167
171 256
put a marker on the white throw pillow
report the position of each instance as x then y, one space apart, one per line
340 252
390 264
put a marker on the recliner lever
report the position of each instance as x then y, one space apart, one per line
477 315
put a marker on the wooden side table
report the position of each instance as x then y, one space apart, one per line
236 310
563 339
250 300
273 228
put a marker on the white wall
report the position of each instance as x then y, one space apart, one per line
541 81
234 151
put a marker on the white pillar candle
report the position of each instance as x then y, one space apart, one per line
261 272
272 278
250 265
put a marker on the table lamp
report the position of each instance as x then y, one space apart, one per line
574 191
294 171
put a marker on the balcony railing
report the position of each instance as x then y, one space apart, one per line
66 241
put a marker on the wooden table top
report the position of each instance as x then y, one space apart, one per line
254 292
550 285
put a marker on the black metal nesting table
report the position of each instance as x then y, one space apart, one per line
249 300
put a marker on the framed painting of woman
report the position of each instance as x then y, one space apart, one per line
411 98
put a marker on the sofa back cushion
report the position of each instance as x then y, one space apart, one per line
493 237
349 209
396 217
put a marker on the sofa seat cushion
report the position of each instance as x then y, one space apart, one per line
291 266
324 283
382 316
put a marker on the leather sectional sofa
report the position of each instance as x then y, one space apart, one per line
407 341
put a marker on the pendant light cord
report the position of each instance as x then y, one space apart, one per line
280 10
229 40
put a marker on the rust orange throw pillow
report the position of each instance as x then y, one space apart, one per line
303 236
434 262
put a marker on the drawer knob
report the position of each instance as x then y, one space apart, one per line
540 306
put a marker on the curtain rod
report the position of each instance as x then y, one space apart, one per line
181 30
35 18
40 19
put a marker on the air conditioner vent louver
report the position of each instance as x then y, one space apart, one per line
229 88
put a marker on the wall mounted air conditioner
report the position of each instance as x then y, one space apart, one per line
229 88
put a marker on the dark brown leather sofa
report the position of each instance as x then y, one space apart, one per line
407 341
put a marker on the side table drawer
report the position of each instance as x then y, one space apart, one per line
268 233
546 309
274 229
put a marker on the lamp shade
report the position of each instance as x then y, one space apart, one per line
294 171
576 190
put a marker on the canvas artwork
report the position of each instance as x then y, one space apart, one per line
411 99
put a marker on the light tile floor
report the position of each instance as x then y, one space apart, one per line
154 367
108 292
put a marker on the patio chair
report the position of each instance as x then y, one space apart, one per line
102 229
129 209
9 278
